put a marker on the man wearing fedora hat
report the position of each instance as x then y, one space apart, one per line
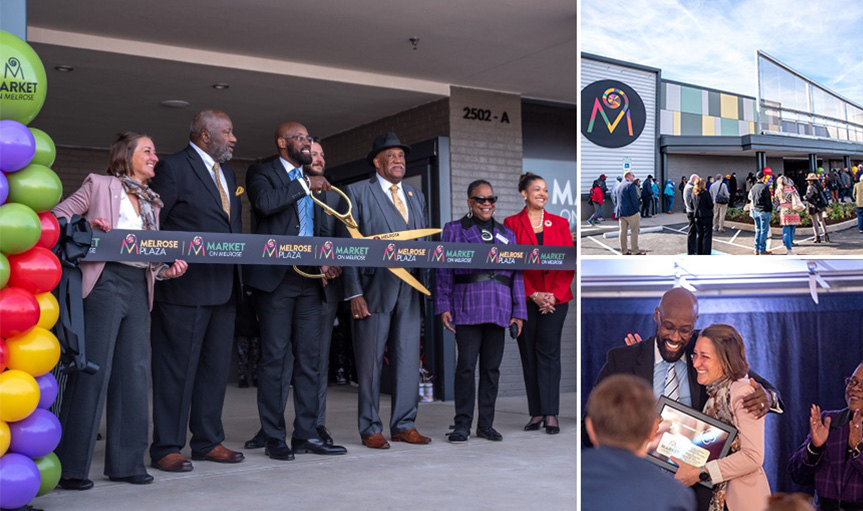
386 310
816 200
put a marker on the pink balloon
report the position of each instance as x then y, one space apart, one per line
17 146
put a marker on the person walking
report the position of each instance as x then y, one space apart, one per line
690 214
857 195
597 198
646 197
627 213
669 196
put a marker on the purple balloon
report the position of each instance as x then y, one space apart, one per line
47 390
4 188
19 480
37 435
17 146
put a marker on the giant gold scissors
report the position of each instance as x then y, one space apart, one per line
348 219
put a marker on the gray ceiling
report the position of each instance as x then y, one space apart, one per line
504 45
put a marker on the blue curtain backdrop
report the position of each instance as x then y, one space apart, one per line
805 350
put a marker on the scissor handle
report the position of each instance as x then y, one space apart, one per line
346 218
309 275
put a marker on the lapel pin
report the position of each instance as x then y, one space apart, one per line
240 191
548 223
411 193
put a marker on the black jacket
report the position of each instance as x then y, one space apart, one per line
703 204
762 199
192 203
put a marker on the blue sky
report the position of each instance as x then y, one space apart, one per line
713 43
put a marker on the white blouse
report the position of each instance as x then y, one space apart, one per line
129 220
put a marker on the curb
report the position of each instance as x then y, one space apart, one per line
804 231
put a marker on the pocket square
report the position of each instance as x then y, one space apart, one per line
240 191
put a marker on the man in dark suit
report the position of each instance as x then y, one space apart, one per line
665 362
385 309
193 318
332 295
288 304
621 419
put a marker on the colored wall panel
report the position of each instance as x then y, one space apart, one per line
690 124
666 122
676 123
713 104
708 125
690 100
672 97
728 106
730 127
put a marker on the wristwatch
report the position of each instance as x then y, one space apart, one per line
704 475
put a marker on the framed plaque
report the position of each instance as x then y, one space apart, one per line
688 435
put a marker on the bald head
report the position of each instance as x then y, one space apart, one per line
294 143
675 321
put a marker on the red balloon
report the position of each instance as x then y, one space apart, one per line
4 355
768 170
19 312
50 230
37 270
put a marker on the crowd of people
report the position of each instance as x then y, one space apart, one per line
283 320
707 371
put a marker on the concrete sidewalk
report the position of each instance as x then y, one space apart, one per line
609 225
528 470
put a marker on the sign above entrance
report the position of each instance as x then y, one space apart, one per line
612 113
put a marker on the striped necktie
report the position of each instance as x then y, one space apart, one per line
672 384
304 206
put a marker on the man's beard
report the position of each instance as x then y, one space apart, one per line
667 354
311 171
219 153
299 157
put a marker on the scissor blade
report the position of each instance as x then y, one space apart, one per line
407 277
403 235
355 233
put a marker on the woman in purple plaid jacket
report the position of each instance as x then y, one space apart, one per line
478 306
830 457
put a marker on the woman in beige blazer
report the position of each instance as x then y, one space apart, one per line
117 299
739 481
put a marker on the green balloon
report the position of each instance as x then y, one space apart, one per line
20 228
49 473
4 271
36 186
24 85
820 170
46 151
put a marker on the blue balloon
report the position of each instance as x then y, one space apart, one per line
17 146
19 480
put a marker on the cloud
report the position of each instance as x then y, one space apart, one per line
714 43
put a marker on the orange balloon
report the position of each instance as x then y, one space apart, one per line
49 310
35 352
19 395
5 438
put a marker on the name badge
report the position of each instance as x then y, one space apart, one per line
501 238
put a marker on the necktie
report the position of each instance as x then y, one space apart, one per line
398 202
226 203
672 384
305 207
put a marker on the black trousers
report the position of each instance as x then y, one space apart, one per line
116 337
290 320
691 246
539 347
191 360
485 342
703 235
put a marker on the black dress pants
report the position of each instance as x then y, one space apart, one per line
485 342
539 347
691 246
703 236
191 359
290 319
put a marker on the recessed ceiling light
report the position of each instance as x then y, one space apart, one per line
174 103
220 86
64 69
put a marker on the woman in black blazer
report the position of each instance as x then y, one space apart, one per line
703 218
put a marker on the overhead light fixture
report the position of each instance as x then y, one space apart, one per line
414 42
174 103
64 69
220 86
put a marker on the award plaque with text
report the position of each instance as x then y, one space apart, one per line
688 435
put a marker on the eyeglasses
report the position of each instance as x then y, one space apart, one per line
853 382
302 138
484 200
685 332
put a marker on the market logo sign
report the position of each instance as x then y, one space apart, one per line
612 113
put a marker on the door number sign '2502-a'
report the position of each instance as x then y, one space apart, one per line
480 114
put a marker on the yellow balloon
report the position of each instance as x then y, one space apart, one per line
19 395
5 437
49 310
854 168
35 352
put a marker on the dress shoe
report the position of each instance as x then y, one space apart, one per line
135 479
75 484
411 436
258 441
174 462
551 430
376 441
489 433
341 378
533 426
315 446
278 450
324 435
459 435
219 454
